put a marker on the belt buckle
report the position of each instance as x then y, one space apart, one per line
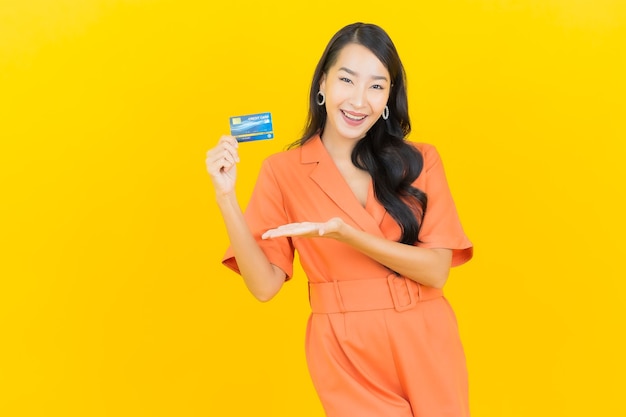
394 294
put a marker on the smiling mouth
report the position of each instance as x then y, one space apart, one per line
353 117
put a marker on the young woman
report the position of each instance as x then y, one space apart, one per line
376 229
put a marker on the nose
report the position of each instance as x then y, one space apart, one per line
358 97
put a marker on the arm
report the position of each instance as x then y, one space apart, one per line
427 266
429 263
262 278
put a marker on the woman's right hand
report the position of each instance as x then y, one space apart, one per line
221 163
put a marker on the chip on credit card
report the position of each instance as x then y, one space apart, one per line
251 127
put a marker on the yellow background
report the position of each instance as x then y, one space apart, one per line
112 298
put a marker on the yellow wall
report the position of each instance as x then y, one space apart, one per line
112 298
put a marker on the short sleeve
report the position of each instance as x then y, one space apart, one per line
441 227
266 211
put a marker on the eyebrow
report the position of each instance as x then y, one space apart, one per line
374 77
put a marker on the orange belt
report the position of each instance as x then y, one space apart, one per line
393 292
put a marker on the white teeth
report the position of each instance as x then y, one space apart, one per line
351 117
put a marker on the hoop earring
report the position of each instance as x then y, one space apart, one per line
386 113
322 100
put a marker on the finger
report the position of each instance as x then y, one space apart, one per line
225 163
227 153
226 144
232 151
294 229
272 233
221 162
229 139
327 227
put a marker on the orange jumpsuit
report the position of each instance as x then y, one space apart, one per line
377 345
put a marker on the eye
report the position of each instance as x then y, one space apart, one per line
345 80
378 87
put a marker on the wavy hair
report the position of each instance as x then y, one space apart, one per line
392 163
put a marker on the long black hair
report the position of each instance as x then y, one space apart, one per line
392 163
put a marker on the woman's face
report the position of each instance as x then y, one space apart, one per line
357 89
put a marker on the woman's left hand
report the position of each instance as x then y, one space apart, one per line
331 228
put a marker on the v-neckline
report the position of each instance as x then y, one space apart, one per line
325 172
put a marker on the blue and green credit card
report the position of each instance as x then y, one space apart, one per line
252 127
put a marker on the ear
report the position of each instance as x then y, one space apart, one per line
323 82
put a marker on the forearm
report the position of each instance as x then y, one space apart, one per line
426 266
262 278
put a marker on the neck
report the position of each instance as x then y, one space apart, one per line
338 148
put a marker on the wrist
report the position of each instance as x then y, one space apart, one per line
344 231
226 199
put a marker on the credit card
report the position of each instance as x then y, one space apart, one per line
252 127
